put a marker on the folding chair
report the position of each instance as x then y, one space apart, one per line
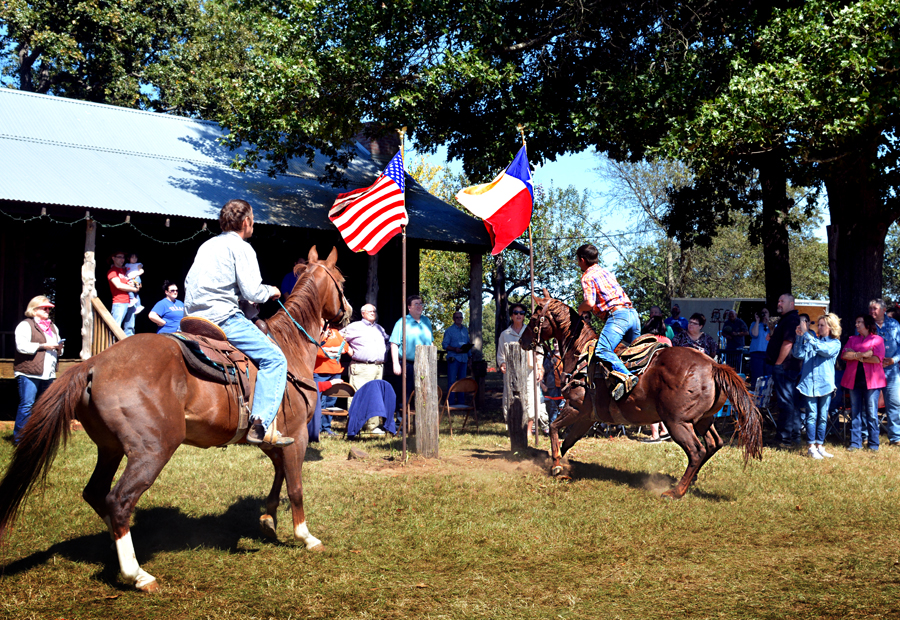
466 386
839 416
340 390
763 395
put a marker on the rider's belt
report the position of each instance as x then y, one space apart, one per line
359 362
622 307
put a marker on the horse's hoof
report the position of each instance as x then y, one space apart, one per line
564 477
318 548
671 494
267 527
556 471
146 582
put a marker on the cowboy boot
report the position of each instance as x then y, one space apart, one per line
258 435
620 384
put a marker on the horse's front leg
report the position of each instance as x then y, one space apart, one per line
568 415
268 523
293 469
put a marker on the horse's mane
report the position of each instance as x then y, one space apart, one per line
302 304
571 323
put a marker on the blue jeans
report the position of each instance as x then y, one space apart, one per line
891 394
622 325
123 315
455 371
864 404
758 367
29 391
816 417
326 401
272 375
784 389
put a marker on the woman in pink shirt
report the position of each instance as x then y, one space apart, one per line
864 378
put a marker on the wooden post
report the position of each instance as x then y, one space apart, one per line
88 289
476 271
516 379
372 281
427 406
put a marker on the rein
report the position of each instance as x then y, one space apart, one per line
300 327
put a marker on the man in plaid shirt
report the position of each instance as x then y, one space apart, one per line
605 298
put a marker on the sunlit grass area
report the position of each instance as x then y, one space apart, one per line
478 533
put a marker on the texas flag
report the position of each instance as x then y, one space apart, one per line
504 204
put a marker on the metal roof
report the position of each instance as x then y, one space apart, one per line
56 151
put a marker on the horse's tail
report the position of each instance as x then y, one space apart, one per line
49 422
748 418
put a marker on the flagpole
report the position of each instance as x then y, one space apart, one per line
403 377
534 381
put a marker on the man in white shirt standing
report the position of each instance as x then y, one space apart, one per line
226 271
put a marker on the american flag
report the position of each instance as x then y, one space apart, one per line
368 217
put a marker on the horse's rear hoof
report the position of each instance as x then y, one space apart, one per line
318 548
671 494
556 471
267 527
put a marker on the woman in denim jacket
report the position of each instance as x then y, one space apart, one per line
817 376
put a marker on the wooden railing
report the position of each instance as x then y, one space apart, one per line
106 331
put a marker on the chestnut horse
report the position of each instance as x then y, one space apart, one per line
138 399
682 387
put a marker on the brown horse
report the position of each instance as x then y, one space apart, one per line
682 387
138 399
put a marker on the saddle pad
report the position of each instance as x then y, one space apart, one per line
198 326
210 361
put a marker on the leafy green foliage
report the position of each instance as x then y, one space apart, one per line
97 51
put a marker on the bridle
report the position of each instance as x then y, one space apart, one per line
344 304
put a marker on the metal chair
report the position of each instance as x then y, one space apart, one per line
762 395
411 412
467 386
340 390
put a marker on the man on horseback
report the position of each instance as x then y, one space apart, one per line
605 298
224 272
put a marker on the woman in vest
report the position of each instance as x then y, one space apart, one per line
37 349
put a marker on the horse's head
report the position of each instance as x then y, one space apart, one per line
334 307
541 326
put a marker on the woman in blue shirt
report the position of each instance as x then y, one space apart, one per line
819 354
168 312
759 331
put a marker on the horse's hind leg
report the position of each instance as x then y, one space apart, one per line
108 459
683 434
268 523
140 472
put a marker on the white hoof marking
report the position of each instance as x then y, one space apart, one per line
301 532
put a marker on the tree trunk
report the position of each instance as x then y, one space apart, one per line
501 302
859 224
776 251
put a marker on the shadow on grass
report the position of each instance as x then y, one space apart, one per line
656 483
156 530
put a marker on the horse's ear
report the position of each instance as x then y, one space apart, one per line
546 293
537 300
313 255
331 261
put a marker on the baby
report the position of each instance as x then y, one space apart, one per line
135 270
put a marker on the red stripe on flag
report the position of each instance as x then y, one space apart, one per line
353 238
510 221
394 219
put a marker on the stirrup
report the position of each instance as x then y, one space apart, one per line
271 438
621 384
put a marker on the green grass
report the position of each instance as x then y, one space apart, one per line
478 533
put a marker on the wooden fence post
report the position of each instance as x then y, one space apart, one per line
88 290
427 419
516 379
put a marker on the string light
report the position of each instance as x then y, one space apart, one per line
86 217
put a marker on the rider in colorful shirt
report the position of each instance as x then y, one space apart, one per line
605 298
